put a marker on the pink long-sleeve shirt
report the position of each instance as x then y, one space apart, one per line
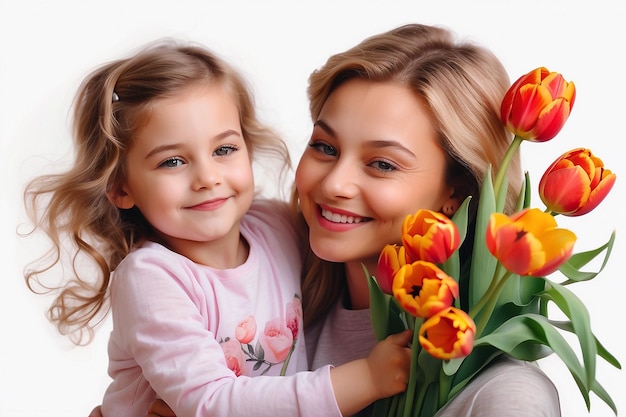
194 336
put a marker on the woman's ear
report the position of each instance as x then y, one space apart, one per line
118 196
451 204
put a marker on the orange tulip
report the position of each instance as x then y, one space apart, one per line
537 105
575 183
529 242
422 289
448 334
429 236
391 258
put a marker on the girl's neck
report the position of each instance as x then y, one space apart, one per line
226 253
358 288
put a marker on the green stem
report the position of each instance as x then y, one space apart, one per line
283 370
513 147
410 390
444 387
475 309
485 314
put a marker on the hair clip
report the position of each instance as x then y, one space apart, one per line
115 97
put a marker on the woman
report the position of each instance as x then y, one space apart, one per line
405 120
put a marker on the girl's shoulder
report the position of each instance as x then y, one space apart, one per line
152 256
266 213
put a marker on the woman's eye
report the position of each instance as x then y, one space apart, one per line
383 166
323 148
225 150
172 163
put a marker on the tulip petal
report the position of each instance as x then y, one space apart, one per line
551 120
448 334
566 190
528 242
557 245
526 103
575 183
598 193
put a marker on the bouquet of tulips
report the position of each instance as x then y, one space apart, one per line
504 305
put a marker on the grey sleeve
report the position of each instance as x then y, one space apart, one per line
509 388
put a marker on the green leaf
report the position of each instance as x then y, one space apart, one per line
483 263
464 369
528 328
602 351
603 395
452 265
576 311
379 308
384 311
460 218
571 268
523 200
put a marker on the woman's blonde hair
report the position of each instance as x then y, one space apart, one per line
462 83
72 207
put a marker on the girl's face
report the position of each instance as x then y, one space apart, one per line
373 158
188 170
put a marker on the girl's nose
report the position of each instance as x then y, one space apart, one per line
207 174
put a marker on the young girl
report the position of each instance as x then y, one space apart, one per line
204 279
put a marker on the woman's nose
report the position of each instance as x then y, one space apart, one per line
341 180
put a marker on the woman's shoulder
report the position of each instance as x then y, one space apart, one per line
508 387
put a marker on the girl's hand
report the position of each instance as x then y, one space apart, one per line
389 364
385 372
96 412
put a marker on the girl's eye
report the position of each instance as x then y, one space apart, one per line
383 166
323 148
172 163
225 150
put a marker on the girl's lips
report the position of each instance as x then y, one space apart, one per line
210 204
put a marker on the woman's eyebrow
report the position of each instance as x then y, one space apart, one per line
322 125
384 143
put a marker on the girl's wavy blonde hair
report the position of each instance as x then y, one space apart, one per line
462 83
72 207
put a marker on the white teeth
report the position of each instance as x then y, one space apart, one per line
340 218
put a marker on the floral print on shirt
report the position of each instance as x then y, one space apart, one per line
274 345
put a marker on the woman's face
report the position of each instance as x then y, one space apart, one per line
373 158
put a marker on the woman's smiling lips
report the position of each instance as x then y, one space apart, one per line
338 220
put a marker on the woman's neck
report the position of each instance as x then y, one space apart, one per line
358 288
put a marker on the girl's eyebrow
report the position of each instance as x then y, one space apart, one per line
378 144
170 146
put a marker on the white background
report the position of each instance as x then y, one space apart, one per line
46 47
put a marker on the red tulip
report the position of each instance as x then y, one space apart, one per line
448 334
537 105
429 236
529 242
575 183
389 262
423 289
